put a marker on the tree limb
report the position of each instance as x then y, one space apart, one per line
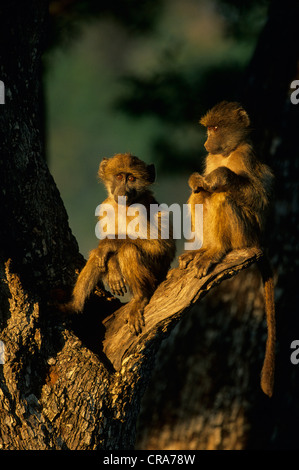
171 300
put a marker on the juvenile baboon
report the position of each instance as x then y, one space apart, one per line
138 264
234 189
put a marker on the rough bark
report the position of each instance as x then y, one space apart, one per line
204 392
34 227
58 393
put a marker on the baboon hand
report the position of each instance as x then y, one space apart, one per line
185 259
102 257
196 182
116 284
203 265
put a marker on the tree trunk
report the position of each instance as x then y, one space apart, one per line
203 392
66 383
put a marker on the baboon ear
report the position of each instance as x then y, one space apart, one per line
102 167
244 118
151 172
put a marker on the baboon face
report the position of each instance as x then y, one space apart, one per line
126 175
227 126
214 142
124 184
224 140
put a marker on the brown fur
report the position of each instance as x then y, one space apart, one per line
234 190
267 375
138 265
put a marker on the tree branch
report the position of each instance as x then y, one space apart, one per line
171 300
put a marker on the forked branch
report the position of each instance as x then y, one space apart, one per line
172 299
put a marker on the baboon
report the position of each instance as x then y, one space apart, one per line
234 189
137 264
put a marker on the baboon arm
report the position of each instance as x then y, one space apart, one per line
223 178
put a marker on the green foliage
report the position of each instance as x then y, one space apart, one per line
245 18
67 17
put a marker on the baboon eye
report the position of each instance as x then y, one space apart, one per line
131 178
213 128
119 176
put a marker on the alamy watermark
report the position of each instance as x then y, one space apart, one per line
294 96
2 92
134 222
295 354
2 352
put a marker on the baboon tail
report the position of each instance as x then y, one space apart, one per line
267 374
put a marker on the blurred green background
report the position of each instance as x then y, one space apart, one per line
136 78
